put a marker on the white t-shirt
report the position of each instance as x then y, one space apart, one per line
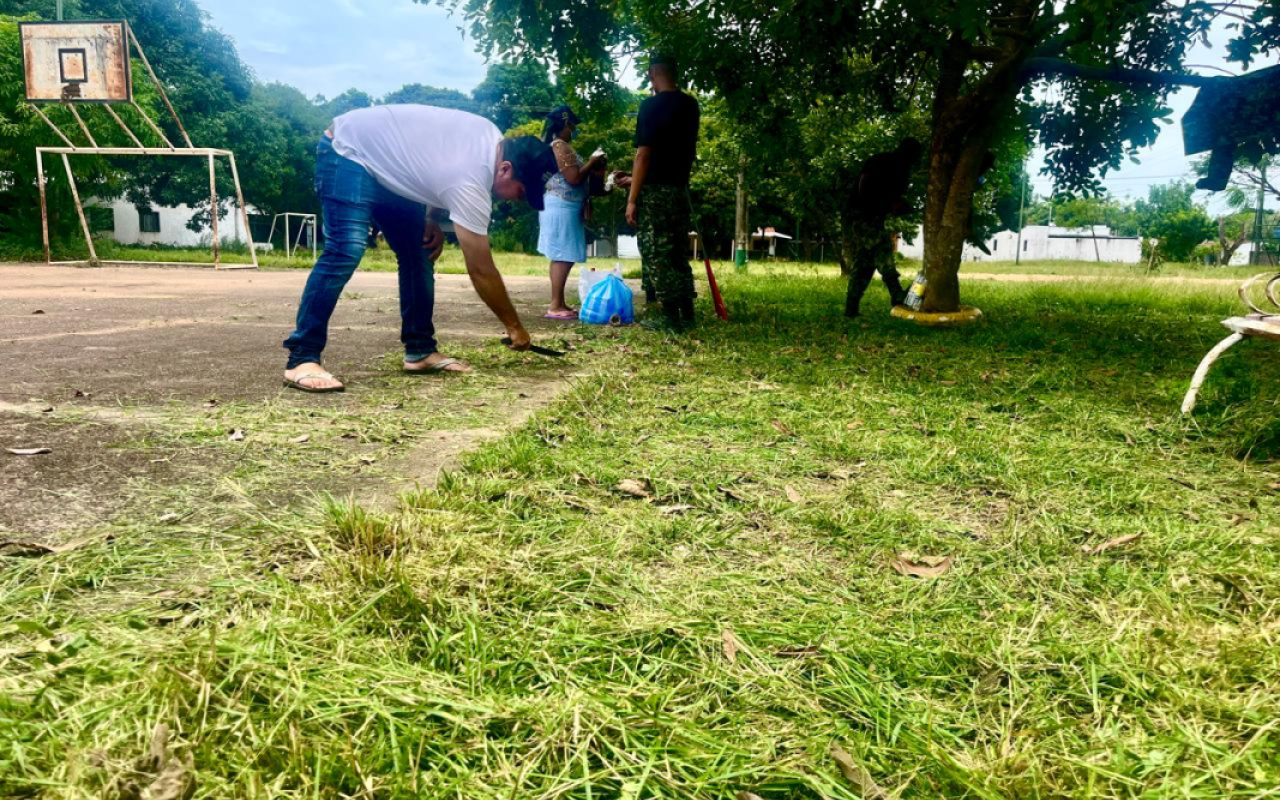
439 157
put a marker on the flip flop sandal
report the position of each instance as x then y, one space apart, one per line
561 316
297 383
440 366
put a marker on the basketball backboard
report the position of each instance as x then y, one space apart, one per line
78 62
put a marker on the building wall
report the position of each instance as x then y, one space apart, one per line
173 225
1044 243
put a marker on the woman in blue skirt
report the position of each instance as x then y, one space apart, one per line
561 237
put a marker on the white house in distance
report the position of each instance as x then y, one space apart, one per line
168 225
1048 243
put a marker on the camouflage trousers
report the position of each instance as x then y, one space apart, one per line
872 248
663 233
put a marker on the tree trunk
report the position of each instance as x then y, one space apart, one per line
953 180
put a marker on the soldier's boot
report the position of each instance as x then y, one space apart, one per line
853 300
688 319
650 296
892 282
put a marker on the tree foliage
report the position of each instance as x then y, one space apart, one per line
1089 79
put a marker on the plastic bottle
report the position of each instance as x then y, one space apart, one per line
915 295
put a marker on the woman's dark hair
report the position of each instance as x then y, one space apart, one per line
557 119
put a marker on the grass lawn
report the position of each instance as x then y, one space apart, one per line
679 581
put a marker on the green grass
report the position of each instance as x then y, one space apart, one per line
525 629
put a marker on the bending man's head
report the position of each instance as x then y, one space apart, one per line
523 169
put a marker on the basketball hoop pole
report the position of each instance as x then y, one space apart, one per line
59 10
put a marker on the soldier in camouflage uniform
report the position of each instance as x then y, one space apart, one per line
879 191
658 206
664 221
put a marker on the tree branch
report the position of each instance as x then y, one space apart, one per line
1056 67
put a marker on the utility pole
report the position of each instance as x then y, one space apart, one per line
1022 205
740 237
1255 255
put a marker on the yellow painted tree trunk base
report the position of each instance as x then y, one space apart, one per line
943 319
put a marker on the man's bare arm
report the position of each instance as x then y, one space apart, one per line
489 284
638 173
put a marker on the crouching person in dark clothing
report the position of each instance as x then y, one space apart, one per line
879 191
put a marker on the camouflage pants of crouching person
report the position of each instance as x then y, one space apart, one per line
872 251
663 234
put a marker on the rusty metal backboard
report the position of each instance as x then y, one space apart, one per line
77 62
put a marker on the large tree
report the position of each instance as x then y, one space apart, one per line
1090 77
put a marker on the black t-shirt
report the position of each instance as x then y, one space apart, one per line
668 125
883 183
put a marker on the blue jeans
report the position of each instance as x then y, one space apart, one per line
350 199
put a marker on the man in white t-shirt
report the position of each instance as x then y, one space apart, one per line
398 165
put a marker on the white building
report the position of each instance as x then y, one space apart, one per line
168 225
1048 243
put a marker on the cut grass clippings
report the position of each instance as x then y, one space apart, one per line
679 580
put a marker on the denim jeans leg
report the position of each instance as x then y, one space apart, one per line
347 192
403 223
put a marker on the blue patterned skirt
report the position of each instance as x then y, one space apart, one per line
560 233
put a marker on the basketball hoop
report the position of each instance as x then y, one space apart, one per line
88 63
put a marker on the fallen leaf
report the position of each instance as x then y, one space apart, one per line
747 796
798 651
857 775
1191 515
634 488
303 439
210 404
46 409
30 451
1110 543
729 642
923 566
20 549
368 459
946 383
37 311
79 393
857 423
1275 487
793 495
673 510
236 435
731 494
781 427
1236 519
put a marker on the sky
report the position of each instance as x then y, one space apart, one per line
328 46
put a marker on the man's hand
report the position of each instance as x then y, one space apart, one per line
622 179
433 240
632 212
519 338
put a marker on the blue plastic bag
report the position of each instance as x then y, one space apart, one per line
608 303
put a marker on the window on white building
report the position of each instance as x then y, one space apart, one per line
148 221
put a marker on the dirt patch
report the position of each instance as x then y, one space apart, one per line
85 481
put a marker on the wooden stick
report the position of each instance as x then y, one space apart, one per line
84 222
159 87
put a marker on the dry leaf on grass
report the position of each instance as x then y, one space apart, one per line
857 775
798 651
236 435
781 427
635 488
793 495
46 409
1110 543
729 642
303 439
923 566
30 451
747 796
673 510
20 549
857 423
731 494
